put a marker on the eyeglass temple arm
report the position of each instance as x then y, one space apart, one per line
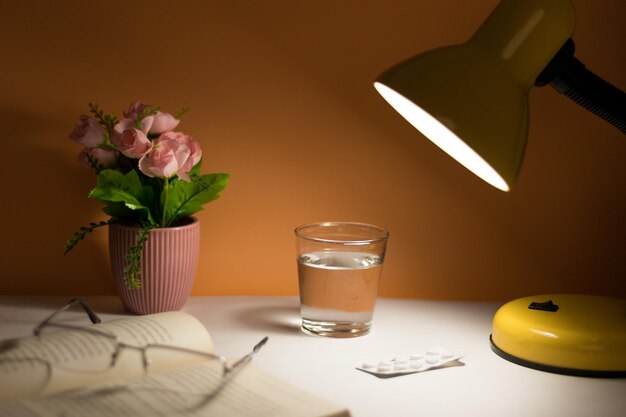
95 319
259 345
249 356
92 315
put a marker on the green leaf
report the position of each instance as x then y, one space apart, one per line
110 177
195 170
132 265
128 182
84 230
146 196
185 198
181 112
115 194
115 187
131 183
119 210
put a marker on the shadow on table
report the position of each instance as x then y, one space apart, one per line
280 319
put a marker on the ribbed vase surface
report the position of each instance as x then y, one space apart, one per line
168 263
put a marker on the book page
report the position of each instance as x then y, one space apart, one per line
62 359
193 390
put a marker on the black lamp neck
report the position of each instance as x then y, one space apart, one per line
569 76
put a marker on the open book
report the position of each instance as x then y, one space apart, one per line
69 373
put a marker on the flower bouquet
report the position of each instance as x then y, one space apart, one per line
148 174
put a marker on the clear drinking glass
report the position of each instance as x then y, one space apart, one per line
339 270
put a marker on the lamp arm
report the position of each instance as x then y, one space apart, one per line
569 76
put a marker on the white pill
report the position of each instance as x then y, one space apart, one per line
384 367
368 365
431 359
417 357
400 366
447 355
433 355
435 350
416 364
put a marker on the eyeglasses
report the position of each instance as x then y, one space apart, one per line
65 352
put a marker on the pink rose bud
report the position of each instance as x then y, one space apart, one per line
194 157
122 125
105 157
146 124
83 158
135 110
128 124
101 157
132 143
166 159
163 122
87 132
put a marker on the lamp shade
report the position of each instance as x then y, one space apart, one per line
471 100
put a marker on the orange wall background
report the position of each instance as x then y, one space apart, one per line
281 97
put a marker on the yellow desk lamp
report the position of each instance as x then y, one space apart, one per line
471 100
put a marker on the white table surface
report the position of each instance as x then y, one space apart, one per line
485 386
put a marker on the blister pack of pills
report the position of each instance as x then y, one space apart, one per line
432 358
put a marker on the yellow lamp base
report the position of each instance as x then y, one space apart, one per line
563 333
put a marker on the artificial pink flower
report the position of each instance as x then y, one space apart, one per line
128 124
135 110
87 132
101 157
163 122
194 149
132 143
122 125
194 157
146 124
166 159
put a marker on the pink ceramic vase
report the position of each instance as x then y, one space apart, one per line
168 263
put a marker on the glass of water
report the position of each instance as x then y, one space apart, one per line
339 270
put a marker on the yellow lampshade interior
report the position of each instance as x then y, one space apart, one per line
471 100
441 136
